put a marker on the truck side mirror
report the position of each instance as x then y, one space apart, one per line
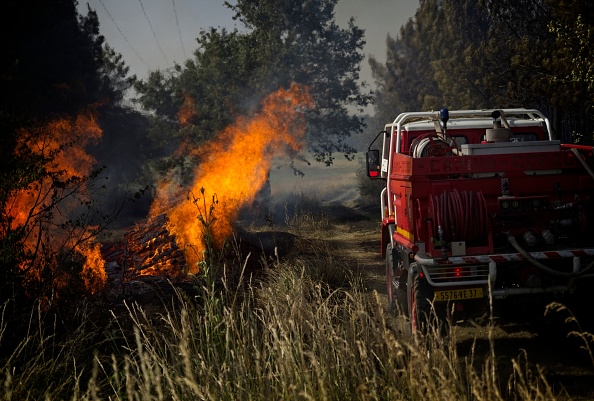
373 163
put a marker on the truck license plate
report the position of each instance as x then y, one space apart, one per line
454 295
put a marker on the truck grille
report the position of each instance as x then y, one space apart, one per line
465 275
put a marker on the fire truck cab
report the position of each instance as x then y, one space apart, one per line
481 205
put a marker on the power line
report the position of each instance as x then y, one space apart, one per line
153 31
179 30
124 36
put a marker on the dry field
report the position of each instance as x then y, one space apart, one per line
310 323
521 333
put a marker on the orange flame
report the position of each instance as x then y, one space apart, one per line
62 142
93 271
52 141
234 167
187 111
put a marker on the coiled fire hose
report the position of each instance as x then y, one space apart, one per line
462 216
512 241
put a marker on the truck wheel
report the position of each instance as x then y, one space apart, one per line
395 285
418 294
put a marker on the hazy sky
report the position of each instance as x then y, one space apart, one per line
153 34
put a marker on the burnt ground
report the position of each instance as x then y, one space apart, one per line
521 331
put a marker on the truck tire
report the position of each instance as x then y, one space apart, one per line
396 287
419 294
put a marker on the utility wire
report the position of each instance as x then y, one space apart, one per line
153 31
179 30
124 36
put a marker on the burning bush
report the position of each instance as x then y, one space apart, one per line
46 215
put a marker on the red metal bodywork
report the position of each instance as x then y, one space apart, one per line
461 208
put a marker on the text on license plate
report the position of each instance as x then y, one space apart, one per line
453 295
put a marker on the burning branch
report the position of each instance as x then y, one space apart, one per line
207 218
235 166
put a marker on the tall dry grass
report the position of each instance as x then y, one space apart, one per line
296 334
304 212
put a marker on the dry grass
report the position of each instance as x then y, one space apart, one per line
303 332
304 212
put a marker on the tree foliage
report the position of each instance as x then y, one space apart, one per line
284 42
493 53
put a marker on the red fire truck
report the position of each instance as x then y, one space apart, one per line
481 205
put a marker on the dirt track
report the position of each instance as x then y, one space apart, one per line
519 327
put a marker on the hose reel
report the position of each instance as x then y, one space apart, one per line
458 216
433 144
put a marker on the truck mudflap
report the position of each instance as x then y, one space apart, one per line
482 271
